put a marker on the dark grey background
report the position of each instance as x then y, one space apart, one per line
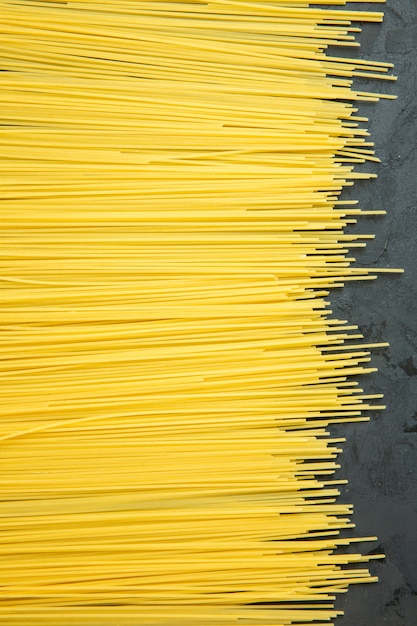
380 458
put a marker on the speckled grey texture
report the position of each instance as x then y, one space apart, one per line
380 458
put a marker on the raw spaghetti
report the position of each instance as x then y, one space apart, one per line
171 228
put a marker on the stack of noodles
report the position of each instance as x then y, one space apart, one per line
171 227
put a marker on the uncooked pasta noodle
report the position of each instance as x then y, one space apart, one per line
172 226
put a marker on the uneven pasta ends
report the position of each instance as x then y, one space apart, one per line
172 225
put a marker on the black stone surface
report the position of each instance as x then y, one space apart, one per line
380 457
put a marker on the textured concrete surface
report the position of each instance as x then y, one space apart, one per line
380 458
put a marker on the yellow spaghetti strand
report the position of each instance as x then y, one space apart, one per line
172 229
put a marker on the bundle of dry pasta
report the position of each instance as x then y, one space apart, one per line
171 228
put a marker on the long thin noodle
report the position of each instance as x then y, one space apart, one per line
171 229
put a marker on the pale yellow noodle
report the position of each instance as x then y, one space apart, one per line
171 229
